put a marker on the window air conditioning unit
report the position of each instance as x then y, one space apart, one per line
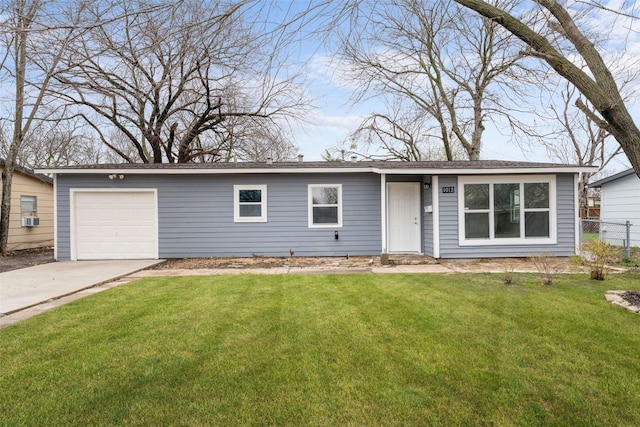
30 221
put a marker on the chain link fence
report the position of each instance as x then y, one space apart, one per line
614 233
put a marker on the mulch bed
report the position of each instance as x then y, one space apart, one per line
632 297
268 262
16 260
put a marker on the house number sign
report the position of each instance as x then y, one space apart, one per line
446 190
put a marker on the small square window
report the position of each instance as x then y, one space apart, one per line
325 206
28 205
250 203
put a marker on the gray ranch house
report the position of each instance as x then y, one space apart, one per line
463 209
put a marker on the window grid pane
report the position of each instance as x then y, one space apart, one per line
250 196
324 196
250 210
536 195
536 224
476 225
506 204
325 215
476 196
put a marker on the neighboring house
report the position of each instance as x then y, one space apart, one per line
467 209
592 210
620 201
31 219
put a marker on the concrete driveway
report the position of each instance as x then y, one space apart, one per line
26 287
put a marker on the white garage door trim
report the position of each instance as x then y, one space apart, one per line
73 220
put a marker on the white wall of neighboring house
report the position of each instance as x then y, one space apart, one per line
620 202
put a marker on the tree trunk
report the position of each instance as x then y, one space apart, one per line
625 131
7 178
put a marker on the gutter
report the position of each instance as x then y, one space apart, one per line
369 169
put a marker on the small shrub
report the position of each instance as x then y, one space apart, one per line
507 273
547 267
627 262
597 255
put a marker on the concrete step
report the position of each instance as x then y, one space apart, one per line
411 259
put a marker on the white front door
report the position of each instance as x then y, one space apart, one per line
403 217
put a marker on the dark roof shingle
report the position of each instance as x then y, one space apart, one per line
470 164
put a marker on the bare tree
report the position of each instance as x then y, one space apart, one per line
448 64
561 50
168 80
58 141
574 137
35 37
28 70
266 142
403 133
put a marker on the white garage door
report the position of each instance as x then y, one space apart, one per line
115 225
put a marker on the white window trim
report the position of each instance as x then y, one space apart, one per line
310 205
236 203
508 179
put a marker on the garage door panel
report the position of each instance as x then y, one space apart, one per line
116 225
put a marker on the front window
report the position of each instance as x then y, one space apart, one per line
325 205
505 210
536 209
476 218
250 203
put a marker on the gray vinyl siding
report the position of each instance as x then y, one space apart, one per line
448 216
427 222
62 219
195 215
566 216
565 246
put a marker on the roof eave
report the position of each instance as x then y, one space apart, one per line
614 177
488 171
34 175
307 170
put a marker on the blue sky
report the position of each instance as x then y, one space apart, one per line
336 115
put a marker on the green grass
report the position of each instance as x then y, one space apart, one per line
586 237
328 350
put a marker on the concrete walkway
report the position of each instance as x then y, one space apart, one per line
427 268
26 287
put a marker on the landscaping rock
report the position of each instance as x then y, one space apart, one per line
618 298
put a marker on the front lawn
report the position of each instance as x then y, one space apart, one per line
329 350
